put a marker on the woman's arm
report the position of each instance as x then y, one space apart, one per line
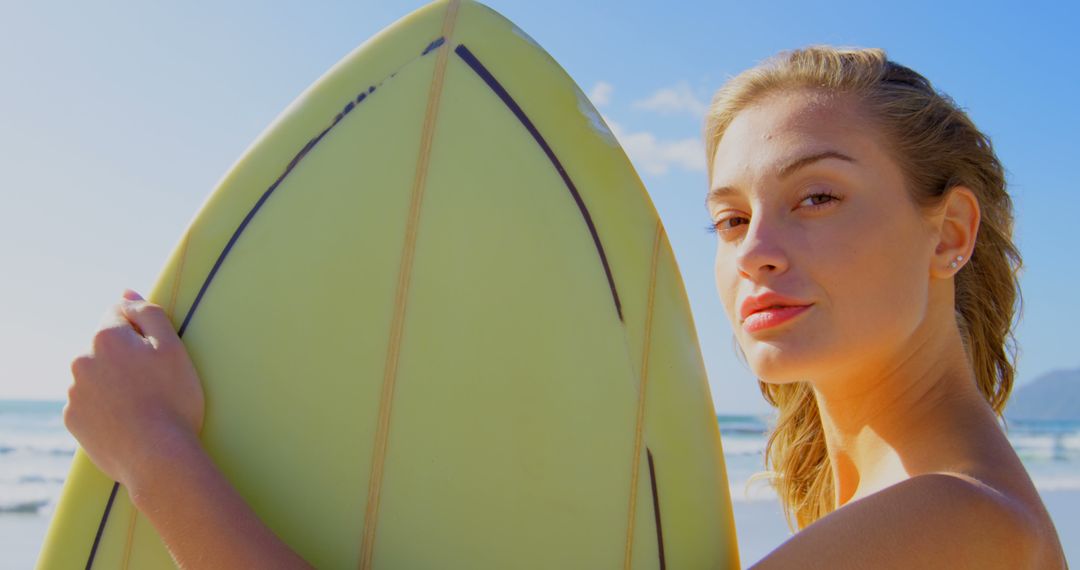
136 407
929 521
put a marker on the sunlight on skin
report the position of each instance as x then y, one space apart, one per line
879 330
808 204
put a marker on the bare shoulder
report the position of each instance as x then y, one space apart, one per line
935 520
1015 520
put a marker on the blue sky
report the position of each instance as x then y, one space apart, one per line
117 118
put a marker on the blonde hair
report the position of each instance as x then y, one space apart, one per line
937 147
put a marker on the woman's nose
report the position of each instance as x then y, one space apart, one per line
761 250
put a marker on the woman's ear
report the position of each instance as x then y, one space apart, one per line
957 227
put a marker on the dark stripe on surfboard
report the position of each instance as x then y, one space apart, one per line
288 169
101 526
656 510
433 45
499 90
345 110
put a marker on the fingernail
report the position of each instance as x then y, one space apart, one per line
132 295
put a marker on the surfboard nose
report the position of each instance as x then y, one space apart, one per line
440 325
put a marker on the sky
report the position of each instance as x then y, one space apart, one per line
117 118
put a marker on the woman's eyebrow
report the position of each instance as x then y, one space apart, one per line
784 171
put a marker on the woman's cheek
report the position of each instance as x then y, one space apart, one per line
878 285
726 278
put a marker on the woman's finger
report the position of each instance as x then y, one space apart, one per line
130 295
150 320
115 326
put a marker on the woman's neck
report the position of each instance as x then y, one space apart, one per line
901 417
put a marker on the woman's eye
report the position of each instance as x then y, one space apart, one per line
812 197
720 225
816 200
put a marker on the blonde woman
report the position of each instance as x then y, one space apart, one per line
864 259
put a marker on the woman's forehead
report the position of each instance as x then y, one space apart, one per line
771 138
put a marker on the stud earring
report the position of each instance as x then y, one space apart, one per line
958 258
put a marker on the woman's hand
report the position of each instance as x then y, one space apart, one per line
133 391
136 407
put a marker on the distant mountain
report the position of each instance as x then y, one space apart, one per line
1052 396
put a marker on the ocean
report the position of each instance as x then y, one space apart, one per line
35 455
1050 450
36 452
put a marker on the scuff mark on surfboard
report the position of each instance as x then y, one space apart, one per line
521 34
595 120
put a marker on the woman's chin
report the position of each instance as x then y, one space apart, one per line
774 364
777 382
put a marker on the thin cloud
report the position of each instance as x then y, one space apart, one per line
601 93
679 98
658 156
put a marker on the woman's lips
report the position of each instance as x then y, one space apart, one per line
768 318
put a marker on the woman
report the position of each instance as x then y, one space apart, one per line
865 261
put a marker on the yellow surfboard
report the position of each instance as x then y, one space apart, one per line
439 325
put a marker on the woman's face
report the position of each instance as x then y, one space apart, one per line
859 258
